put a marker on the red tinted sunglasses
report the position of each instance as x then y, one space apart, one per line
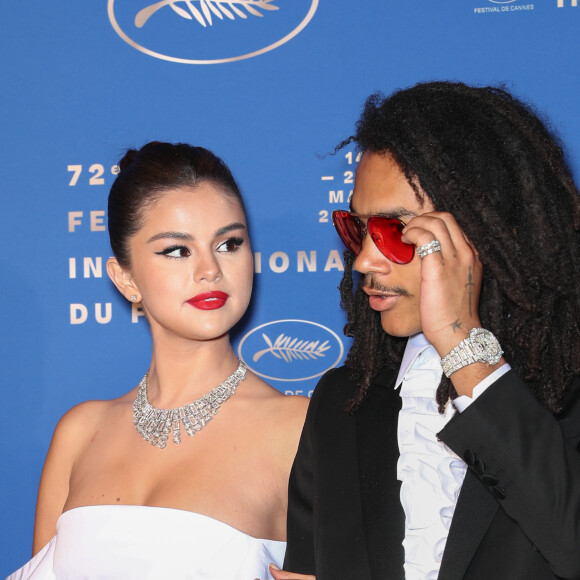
385 232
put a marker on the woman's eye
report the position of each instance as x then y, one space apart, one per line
176 252
230 245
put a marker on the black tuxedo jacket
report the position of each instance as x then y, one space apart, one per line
518 513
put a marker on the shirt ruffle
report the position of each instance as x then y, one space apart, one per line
431 474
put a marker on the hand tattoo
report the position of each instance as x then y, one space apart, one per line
469 287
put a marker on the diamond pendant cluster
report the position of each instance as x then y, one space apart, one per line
155 425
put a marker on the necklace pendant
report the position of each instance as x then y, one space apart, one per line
156 425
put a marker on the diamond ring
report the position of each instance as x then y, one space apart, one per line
430 248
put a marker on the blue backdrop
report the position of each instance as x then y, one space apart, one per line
269 85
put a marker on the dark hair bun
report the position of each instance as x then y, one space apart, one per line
127 158
146 173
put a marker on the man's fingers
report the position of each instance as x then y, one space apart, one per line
279 574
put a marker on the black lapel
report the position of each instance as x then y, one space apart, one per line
378 452
474 512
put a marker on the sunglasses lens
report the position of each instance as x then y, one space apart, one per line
386 234
348 229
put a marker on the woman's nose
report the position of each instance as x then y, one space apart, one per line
207 268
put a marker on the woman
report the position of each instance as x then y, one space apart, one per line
130 492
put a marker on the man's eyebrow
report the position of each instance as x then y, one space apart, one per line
396 213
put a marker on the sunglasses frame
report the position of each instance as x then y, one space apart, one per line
339 216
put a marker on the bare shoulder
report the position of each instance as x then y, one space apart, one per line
286 412
70 436
77 423
294 407
80 413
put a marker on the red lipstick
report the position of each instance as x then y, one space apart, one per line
209 300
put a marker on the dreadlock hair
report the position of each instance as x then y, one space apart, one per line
487 158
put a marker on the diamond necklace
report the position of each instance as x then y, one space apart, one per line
155 425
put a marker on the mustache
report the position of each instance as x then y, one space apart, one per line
371 282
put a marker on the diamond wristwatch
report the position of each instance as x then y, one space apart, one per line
479 346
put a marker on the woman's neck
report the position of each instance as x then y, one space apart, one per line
182 371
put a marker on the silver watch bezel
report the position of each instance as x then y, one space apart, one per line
480 345
485 346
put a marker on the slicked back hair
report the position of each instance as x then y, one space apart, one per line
147 174
487 158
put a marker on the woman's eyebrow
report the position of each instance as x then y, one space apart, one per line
189 237
171 235
229 228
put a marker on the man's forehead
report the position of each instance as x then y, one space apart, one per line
386 212
381 188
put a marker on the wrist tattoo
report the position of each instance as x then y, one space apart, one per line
456 324
469 287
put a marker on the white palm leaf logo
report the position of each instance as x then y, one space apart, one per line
289 349
218 8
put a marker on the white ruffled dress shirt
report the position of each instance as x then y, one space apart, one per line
431 474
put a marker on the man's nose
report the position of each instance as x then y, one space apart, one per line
370 259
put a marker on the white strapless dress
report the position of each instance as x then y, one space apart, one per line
144 543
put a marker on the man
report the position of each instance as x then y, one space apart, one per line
448 445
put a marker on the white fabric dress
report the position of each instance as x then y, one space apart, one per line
145 543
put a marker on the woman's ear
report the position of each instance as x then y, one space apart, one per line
122 279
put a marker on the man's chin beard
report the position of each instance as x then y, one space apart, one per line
402 333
